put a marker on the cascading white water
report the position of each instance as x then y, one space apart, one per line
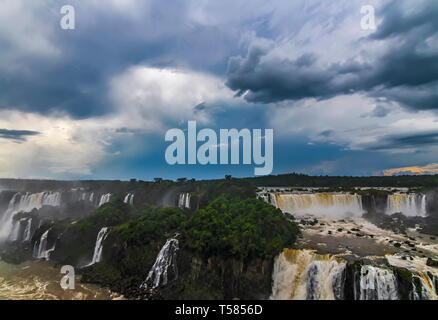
410 204
97 255
20 233
319 204
40 251
426 285
305 275
15 232
184 200
129 199
27 231
377 284
424 280
268 197
87 196
165 263
28 201
25 203
105 198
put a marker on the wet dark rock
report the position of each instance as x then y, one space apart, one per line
432 263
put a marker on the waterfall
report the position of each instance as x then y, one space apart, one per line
27 231
28 202
25 203
409 204
15 232
377 284
40 251
129 199
184 200
269 198
97 255
330 204
165 263
427 287
424 279
105 198
305 275
87 196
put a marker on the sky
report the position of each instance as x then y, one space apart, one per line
95 102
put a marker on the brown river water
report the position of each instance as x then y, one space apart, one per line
40 280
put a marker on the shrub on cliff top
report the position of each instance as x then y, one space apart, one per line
240 228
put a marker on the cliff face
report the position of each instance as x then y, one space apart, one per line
125 266
220 278
374 203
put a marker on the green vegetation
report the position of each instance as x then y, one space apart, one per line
151 224
76 245
302 180
110 214
245 228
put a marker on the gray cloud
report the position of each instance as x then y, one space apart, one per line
378 112
405 141
397 22
109 38
17 135
326 133
407 71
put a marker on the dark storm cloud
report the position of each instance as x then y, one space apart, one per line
407 72
405 141
106 41
49 92
17 135
279 79
396 22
